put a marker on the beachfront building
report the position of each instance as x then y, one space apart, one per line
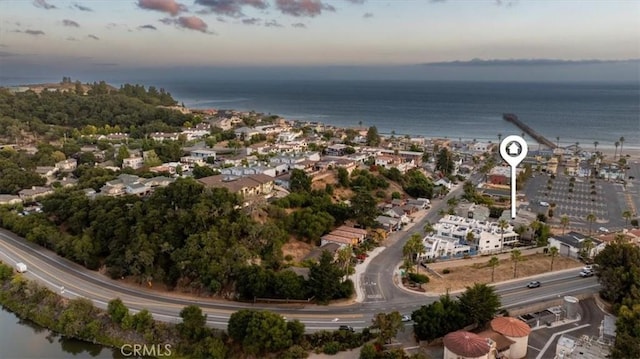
451 238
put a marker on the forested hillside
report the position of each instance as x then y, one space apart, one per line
132 108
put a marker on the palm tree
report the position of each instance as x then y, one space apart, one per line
626 215
470 237
499 137
553 252
587 246
502 224
577 144
428 228
493 263
564 220
413 248
557 141
595 146
516 256
616 152
621 144
591 218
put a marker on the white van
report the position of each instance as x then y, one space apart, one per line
21 267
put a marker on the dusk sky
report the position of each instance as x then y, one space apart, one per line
158 33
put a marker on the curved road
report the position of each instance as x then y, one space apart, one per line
73 281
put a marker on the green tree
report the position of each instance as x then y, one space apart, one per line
493 263
481 303
388 325
502 224
553 252
325 278
564 220
364 208
117 310
194 323
626 343
202 171
260 332
516 256
626 215
299 181
343 177
428 228
368 351
617 144
621 140
444 162
439 318
373 138
591 218
413 248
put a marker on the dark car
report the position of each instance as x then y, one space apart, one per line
347 328
533 284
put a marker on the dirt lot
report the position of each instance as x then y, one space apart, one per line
460 277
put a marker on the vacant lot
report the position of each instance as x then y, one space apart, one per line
460 277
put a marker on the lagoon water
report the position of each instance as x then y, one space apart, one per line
24 340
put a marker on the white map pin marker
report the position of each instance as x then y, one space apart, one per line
513 150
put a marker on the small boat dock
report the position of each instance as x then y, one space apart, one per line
509 117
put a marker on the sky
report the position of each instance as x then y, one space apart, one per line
38 36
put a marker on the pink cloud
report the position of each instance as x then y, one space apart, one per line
168 6
309 8
192 22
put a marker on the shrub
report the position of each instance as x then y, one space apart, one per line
331 348
446 271
288 258
634 222
418 278
593 193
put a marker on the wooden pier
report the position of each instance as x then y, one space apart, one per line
509 117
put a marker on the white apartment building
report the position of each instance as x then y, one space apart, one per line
450 237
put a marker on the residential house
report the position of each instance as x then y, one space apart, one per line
315 253
573 245
133 162
444 182
203 153
68 165
338 149
390 224
162 136
47 172
288 136
164 168
34 192
251 185
245 133
500 175
9 199
193 161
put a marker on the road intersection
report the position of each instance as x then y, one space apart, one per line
381 293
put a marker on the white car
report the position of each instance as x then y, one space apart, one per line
544 204
406 318
603 230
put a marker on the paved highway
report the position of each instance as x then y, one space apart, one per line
73 281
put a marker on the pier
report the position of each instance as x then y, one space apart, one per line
509 117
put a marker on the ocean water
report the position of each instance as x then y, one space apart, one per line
574 112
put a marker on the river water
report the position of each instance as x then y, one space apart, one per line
24 340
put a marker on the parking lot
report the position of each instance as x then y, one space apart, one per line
606 200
